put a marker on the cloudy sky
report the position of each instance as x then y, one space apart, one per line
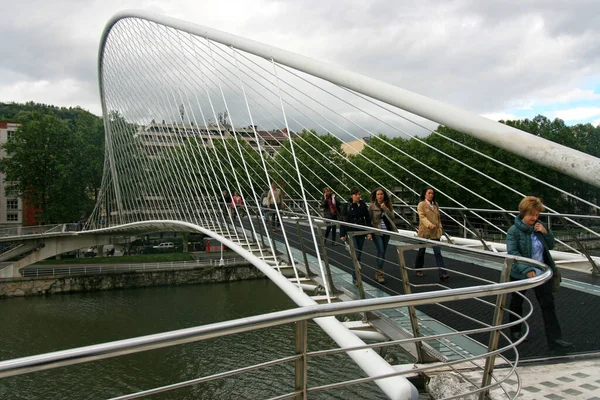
502 59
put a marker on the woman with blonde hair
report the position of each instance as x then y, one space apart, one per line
382 217
430 227
529 238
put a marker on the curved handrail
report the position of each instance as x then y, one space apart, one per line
160 340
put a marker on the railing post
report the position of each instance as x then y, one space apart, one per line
259 222
595 268
308 273
412 311
329 277
485 246
302 362
274 249
361 289
495 335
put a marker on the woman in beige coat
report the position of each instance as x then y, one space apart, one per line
430 227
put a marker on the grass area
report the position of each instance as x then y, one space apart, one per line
138 258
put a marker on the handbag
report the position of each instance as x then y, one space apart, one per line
556 280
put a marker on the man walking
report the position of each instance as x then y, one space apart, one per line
275 200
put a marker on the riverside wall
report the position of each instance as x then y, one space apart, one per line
20 287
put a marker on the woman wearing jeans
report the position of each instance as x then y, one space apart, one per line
382 217
430 227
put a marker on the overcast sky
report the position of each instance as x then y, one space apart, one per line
502 59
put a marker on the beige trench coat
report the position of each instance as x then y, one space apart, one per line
428 216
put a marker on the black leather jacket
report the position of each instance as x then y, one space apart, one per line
358 214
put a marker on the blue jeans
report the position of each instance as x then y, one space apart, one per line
381 244
331 228
358 242
438 258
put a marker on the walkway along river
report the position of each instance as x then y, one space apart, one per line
34 325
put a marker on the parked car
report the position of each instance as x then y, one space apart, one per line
164 245
91 252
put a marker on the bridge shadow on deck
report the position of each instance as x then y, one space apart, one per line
577 311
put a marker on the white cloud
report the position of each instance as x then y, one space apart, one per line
67 93
483 56
574 96
577 114
497 116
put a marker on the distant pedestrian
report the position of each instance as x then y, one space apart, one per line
236 202
275 202
226 202
264 202
357 214
330 211
382 217
528 237
430 227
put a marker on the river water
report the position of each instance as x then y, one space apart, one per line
37 325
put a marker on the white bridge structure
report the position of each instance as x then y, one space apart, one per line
191 112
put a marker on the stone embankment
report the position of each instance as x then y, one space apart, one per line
19 287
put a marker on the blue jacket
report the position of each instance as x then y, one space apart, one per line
518 243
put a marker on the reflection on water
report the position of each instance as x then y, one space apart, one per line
41 324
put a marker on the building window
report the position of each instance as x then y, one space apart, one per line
12 204
11 216
10 135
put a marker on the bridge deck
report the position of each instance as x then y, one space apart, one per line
565 375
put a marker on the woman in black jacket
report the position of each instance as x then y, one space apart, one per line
357 214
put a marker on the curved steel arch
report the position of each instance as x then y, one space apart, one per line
574 163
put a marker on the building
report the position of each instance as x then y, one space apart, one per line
354 147
11 206
155 138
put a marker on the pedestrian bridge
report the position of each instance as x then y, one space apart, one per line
194 115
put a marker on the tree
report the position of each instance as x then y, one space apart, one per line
320 162
53 163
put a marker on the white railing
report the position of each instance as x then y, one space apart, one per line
117 268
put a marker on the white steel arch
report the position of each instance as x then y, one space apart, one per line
566 160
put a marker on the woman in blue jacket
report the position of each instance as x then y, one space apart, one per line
529 238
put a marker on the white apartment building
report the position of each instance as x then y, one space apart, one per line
11 206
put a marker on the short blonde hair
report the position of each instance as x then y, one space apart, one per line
529 204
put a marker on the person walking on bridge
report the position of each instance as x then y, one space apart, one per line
529 238
357 214
382 217
330 211
430 227
275 198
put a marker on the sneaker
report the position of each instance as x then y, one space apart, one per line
379 276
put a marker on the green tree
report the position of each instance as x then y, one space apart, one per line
320 162
53 163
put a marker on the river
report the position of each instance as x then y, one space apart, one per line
36 325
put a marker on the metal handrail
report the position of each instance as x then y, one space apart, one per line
114 349
156 341
106 268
